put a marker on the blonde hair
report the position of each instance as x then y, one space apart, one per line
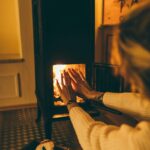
134 47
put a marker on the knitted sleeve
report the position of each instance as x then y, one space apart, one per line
96 135
129 103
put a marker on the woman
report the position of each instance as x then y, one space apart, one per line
133 55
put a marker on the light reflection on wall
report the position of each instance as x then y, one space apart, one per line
10 29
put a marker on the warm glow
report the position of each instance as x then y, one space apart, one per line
57 70
10 35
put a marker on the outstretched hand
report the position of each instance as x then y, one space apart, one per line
65 90
80 85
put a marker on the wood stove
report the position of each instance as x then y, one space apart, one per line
63 37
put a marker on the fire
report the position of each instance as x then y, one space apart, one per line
57 70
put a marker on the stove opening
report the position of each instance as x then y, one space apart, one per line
57 70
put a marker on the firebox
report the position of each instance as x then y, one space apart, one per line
57 70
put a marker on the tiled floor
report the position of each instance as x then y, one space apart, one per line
18 128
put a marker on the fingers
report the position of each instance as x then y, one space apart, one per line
82 76
58 86
67 78
62 80
72 78
75 75
66 92
73 82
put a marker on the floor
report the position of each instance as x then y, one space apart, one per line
18 128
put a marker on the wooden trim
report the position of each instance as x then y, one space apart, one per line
5 61
114 26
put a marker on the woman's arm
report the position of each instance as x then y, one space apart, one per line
96 135
130 103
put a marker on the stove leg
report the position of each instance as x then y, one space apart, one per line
48 126
45 111
38 119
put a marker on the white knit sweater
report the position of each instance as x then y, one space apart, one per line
96 135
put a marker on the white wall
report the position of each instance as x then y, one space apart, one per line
17 82
10 35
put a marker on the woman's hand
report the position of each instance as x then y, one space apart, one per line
80 85
65 90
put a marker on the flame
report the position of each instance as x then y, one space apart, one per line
57 70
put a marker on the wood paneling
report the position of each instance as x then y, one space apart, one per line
10 86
